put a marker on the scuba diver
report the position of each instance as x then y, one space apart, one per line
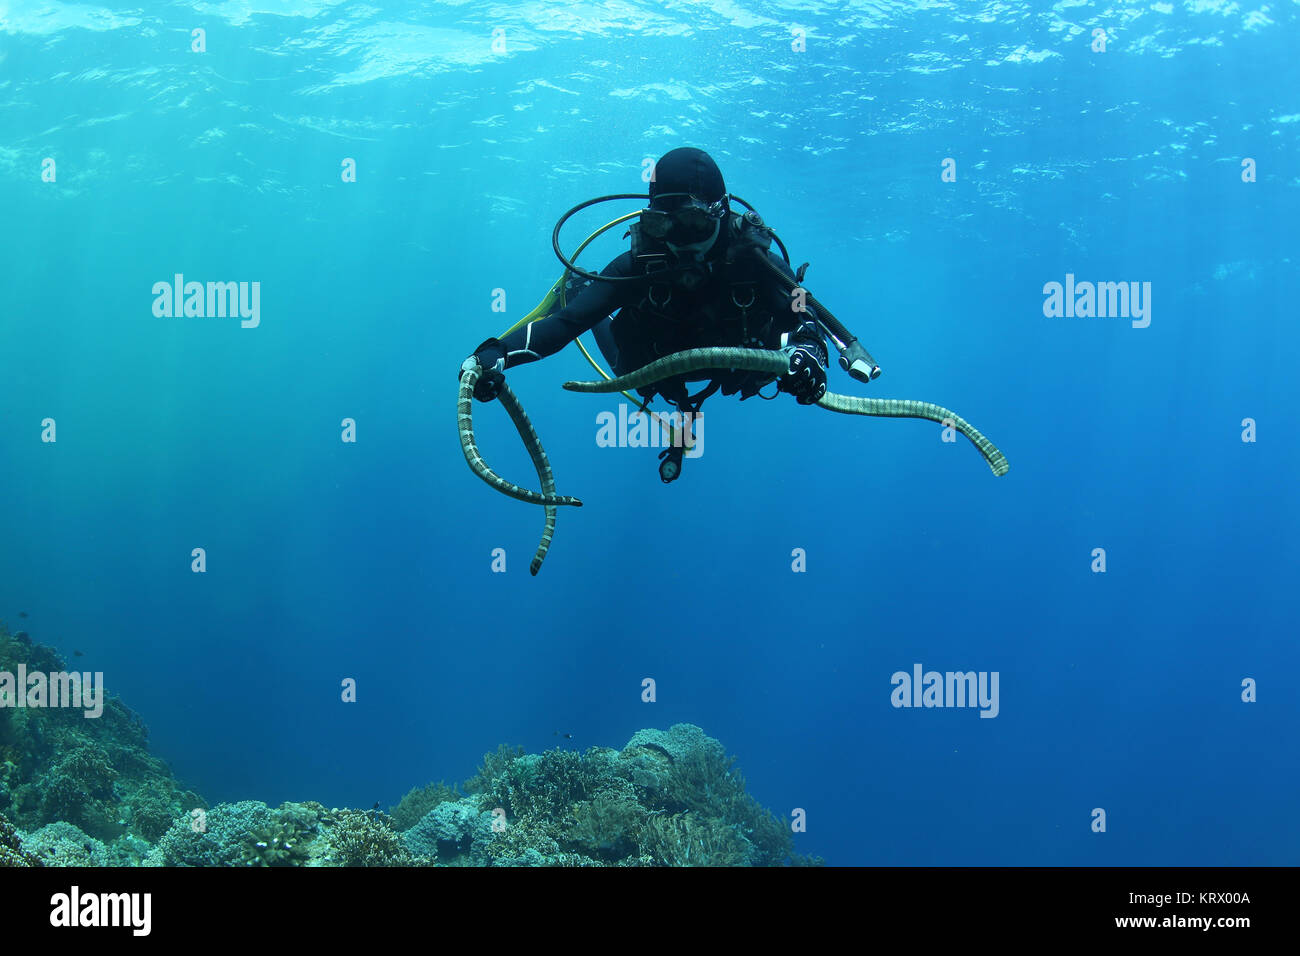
699 297
690 280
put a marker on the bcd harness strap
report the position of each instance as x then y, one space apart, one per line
748 237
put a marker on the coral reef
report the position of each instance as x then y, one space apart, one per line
59 766
87 792
249 833
669 798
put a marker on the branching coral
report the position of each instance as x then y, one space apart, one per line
359 839
686 770
308 816
492 767
153 809
11 848
62 844
608 826
686 839
541 786
79 790
280 844
525 845
88 765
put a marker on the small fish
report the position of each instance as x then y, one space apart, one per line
376 806
22 613
565 736
76 653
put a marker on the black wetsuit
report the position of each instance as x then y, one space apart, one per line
647 327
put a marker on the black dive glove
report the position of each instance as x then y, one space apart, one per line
491 357
806 380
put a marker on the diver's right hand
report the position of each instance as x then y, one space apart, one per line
491 358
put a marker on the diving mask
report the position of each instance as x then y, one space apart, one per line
682 219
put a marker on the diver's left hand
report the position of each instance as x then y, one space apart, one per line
806 380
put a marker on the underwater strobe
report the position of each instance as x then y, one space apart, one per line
670 463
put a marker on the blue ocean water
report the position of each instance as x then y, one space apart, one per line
938 164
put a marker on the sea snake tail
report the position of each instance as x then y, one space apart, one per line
547 498
761 360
